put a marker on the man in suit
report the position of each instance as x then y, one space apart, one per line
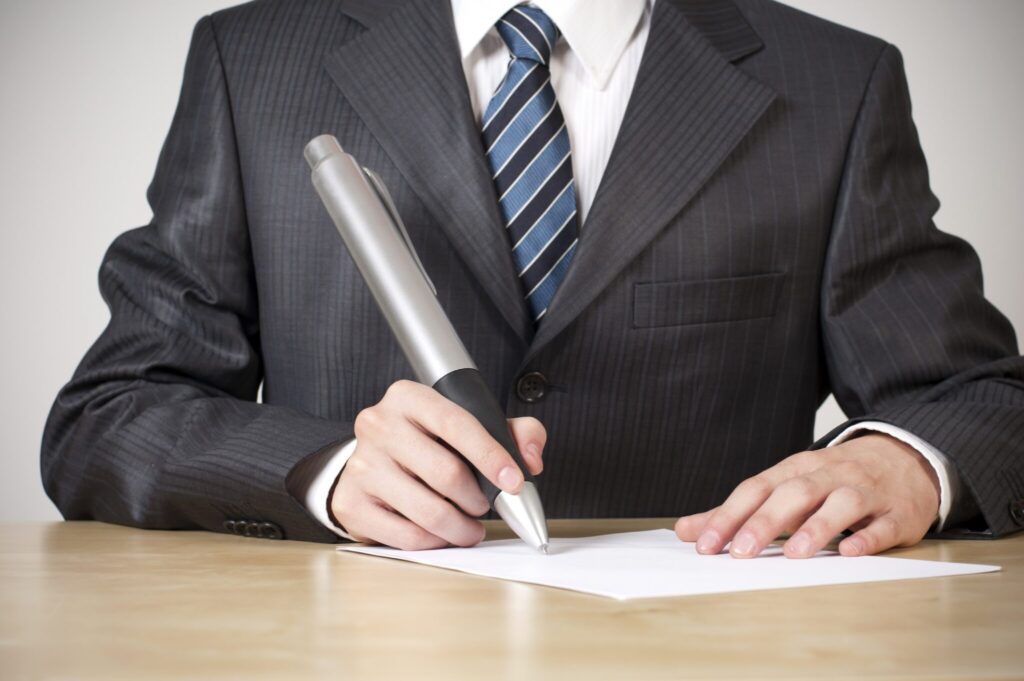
666 231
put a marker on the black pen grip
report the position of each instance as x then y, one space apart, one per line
466 388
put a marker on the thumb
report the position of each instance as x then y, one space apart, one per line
530 436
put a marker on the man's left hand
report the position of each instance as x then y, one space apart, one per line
875 485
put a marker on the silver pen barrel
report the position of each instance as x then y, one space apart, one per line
395 278
359 204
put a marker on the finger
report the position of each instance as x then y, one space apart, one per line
741 504
439 416
530 436
421 505
438 467
689 527
844 508
748 497
377 524
882 533
788 504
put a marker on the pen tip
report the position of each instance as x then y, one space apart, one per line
544 549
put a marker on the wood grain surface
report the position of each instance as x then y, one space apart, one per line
93 601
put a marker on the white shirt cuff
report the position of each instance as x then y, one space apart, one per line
949 478
314 487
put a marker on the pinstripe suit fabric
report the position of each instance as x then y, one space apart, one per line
762 236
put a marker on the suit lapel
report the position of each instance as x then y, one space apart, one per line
404 78
689 109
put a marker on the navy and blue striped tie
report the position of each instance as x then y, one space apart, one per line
527 148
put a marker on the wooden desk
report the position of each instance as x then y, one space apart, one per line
95 601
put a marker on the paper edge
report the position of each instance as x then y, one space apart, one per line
373 551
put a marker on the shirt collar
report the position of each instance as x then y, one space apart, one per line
598 38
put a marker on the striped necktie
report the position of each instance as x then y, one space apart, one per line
527 148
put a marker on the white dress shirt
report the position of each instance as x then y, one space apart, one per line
592 72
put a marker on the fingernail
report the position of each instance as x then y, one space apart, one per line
855 547
744 545
707 542
799 544
509 478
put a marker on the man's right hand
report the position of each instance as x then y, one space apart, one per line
404 488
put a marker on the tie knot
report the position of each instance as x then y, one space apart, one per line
529 33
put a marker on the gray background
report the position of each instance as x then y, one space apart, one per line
88 94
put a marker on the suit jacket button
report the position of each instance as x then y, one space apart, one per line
531 387
248 529
271 531
229 525
1017 511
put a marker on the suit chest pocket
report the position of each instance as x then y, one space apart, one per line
678 303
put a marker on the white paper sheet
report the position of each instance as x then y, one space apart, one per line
655 564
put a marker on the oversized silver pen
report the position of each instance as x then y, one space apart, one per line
371 228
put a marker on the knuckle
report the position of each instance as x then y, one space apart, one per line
450 473
803 458
750 486
888 528
399 389
905 508
451 419
819 530
800 490
355 468
360 425
367 474
852 498
801 462
343 507
434 517
755 486
493 455
366 423
721 522
851 472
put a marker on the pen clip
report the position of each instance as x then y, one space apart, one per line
385 197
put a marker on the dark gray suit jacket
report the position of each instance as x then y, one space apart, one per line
762 237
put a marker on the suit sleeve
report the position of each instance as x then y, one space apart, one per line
159 427
910 338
